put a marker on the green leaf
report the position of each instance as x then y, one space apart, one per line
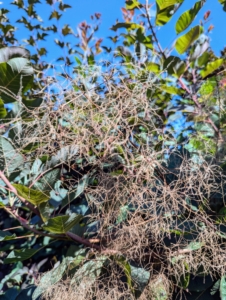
66 30
10 159
128 26
52 277
167 3
3 111
16 74
171 89
47 182
33 196
62 224
194 246
55 15
90 271
46 209
123 263
123 214
31 147
6 236
132 4
165 10
82 184
211 67
141 38
62 6
153 67
91 60
185 41
174 66
223 2
187 17
215 288
207 88
163 16
140 277
203 59
33 103
223 288
20 255
158 288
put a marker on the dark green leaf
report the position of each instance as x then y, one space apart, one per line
174 66
64 6
55 15
62 224
6 236
47 182
26 294
33 103
223 2
46 209
66 30
10 78
129 26
203 59
20 255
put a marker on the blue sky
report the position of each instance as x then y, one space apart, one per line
111 10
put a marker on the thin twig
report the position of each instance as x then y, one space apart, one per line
153 32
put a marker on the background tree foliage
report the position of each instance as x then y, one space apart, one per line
96 179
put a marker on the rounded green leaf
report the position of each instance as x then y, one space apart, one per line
211 67
186 40
62 224
153 67
187 17
163 16
165 10
10 78
174 66
33 196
